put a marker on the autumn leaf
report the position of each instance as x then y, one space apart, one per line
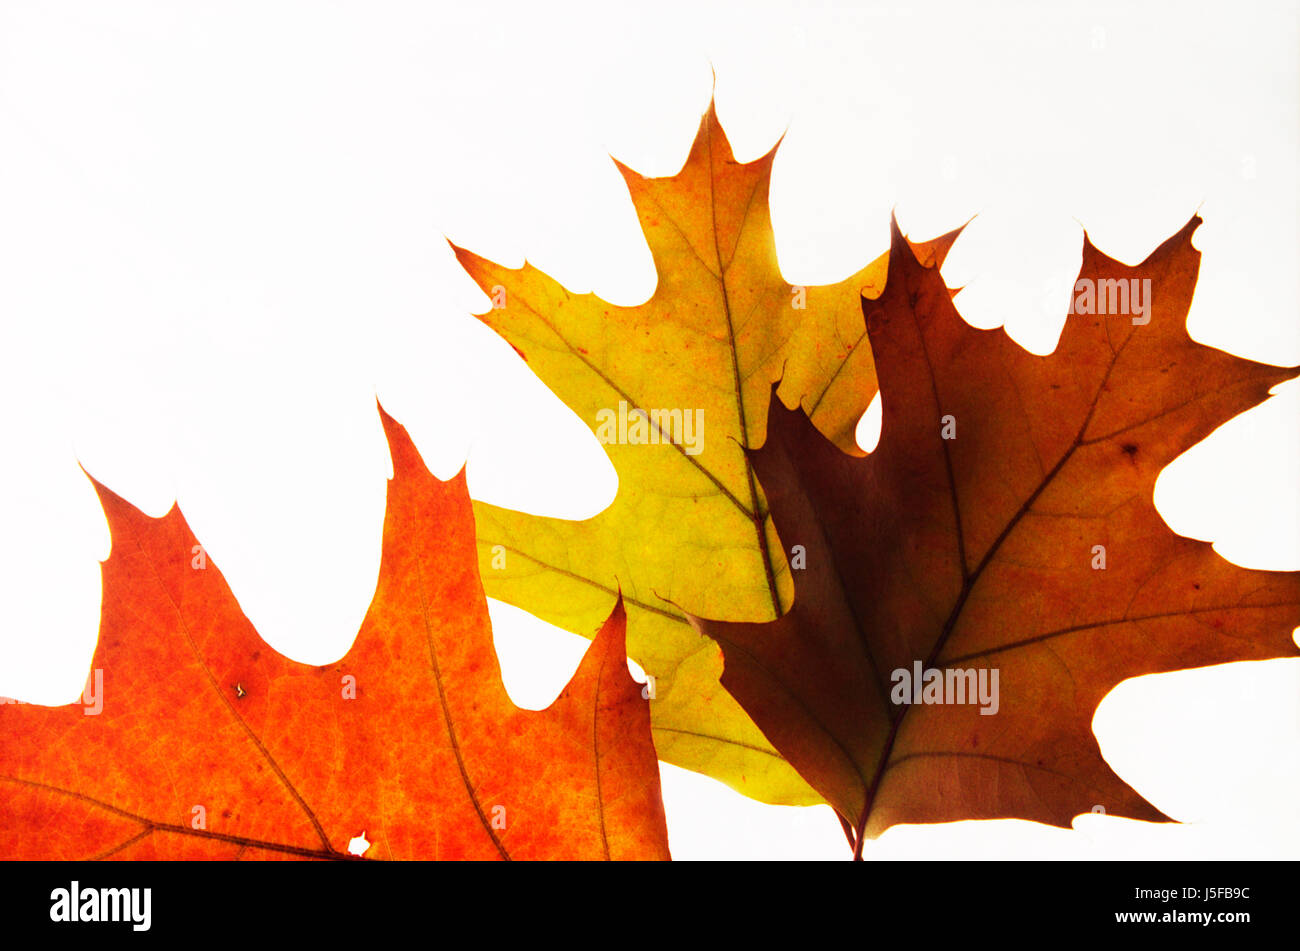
1004 525
210 745
689 529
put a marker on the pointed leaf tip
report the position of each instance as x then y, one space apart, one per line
613 633
407 461
121 513
898 243
473 264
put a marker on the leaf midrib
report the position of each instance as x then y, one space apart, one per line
970 578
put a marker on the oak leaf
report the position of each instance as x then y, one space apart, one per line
689 529
1006 524
210 745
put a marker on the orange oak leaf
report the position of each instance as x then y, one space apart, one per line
207 744
1005 525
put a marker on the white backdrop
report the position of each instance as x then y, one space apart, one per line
222 235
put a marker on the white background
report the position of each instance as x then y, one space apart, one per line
222 236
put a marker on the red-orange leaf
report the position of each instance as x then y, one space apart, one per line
211 745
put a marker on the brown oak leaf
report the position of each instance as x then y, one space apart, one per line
1025 544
